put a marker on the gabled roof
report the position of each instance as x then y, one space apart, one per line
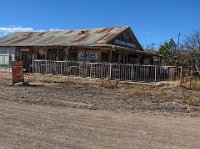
62 38
85 37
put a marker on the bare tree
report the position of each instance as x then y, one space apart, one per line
149 46
192 50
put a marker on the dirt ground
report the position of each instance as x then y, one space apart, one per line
68 115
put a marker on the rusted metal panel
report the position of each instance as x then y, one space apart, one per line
81 38
61 38
111 36
86 37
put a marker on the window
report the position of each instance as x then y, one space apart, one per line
4 59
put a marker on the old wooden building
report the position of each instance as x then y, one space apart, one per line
116 45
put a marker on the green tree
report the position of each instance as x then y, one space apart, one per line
168 52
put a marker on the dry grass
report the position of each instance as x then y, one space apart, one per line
191 83
5 75
196 85
160 92
191 97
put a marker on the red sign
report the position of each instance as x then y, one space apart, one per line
17 72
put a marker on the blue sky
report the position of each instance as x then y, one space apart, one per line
153 21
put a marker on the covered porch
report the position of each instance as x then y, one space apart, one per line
104 54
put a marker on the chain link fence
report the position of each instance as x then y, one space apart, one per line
121 72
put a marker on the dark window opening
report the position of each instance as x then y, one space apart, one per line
104 56
51 54
61 55
73 55
41 56
115 57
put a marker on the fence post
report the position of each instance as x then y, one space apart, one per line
155 73
110 71
46 67
33 67
90 70
61 70
181 75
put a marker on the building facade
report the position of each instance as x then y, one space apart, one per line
114 45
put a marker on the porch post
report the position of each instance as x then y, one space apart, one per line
110 56
119 57
33 58
127 58
140 59
57 54
85 55
45 53
124 57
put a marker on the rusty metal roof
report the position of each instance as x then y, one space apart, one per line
63 37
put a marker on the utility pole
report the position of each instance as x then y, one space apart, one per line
179 34
178 45
181 68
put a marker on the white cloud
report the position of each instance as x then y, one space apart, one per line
11 29
55 29
147 33
15 29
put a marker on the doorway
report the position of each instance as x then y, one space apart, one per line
26 57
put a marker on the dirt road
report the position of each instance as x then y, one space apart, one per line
31 126
82 116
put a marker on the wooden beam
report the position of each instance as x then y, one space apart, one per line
57 53
127 58
110 56
124 57
46 52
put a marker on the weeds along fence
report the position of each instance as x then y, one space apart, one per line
191 79
122 72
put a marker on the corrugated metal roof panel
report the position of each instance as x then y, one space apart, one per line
62 38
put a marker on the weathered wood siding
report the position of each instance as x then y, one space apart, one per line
127 39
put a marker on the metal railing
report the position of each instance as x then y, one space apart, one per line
5 68
122 72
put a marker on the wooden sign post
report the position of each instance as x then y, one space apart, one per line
17 72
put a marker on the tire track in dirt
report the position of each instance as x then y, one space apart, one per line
89 126
33 117
62 114
80 127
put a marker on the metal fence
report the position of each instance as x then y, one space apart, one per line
5 68
122 72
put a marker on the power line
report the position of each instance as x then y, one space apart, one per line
159 43
178 36
184 35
